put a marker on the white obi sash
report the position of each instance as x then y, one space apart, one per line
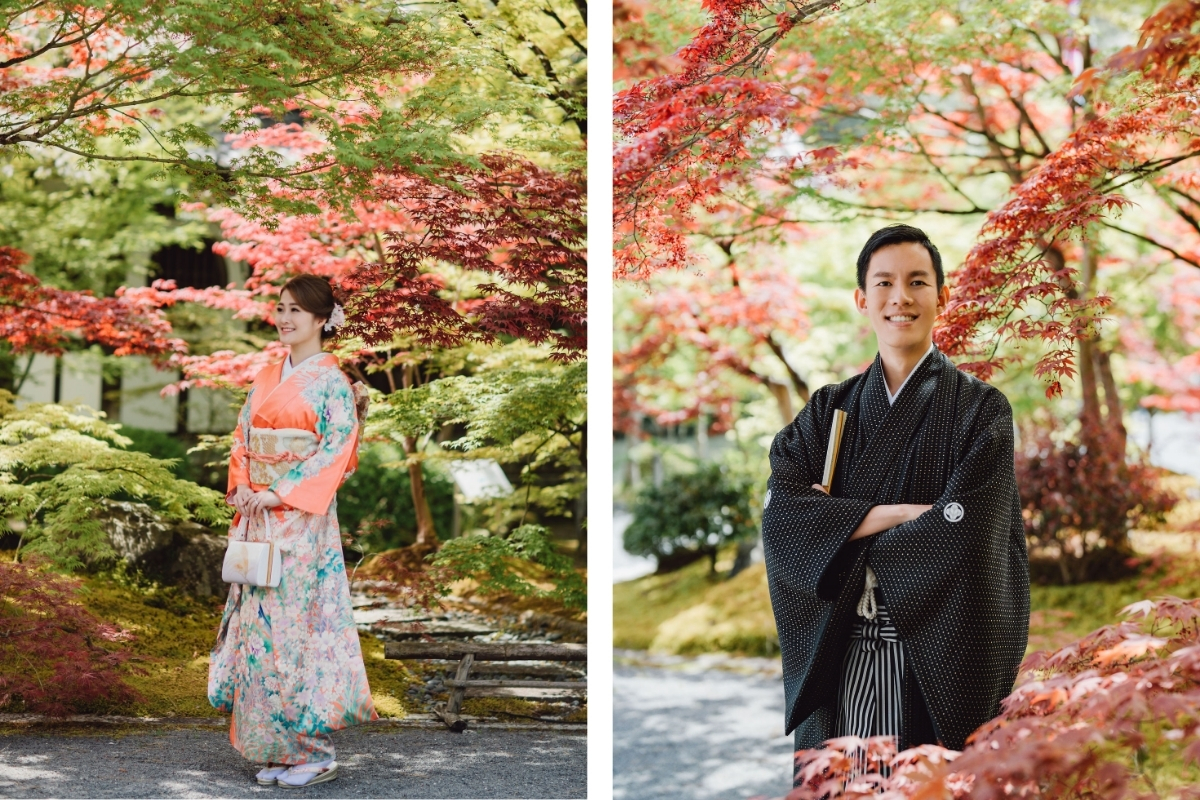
272 452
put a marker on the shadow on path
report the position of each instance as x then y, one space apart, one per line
372 762
709 727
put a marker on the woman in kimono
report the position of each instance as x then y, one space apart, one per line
287 662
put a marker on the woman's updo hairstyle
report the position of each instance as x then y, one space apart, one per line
313 294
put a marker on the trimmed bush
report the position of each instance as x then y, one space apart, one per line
690 515
375 503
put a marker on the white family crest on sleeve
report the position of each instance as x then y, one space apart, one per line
953 512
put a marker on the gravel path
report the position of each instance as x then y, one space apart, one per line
373 762
708 727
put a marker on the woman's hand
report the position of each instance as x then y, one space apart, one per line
238 498
261 501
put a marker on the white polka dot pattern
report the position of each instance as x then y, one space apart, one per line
958 591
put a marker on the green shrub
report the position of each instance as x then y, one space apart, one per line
511 564
161 446
58 470
375 503
690 513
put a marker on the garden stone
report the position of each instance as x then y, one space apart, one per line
134 530
186 555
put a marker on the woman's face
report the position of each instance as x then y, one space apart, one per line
295 325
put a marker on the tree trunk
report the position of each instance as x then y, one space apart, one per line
783 397
798 383
1090 416
780 390
1112 401
426 532
1088 386
581 507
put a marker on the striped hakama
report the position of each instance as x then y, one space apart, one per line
870 700
871 693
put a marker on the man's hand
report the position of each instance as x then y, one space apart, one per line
882 517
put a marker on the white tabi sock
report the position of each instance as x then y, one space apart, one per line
271 773
295 777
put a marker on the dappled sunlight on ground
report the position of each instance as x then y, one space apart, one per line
707 727
374 761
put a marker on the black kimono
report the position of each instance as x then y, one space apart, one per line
955 581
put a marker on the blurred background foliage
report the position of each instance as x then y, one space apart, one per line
105 201
941 112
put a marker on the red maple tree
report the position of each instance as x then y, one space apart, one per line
44 319
424 262
684 342
515 229
1152 138
53 654
683 133
1084 722
926 123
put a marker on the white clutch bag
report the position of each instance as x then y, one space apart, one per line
253 563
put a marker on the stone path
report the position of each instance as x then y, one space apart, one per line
706 727
373 762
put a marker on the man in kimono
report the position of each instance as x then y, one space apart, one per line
901 595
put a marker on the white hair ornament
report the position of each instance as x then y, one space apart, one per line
337 318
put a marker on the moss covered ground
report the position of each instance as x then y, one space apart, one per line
517 708
641 605
689 611
174 634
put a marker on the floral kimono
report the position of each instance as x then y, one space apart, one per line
287 662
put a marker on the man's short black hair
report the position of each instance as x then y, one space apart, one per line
897 234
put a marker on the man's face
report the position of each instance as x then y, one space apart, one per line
902 299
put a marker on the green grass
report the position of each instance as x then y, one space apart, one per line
1060 614
688 612
640 606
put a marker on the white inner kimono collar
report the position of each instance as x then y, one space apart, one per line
892 397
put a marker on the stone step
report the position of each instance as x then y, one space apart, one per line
402 631
373 616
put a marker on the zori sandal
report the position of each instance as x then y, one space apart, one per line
303 775
268 774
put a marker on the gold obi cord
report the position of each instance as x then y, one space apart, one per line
272 452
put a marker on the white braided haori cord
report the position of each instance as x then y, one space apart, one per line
866 603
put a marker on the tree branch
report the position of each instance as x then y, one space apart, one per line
1155 242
